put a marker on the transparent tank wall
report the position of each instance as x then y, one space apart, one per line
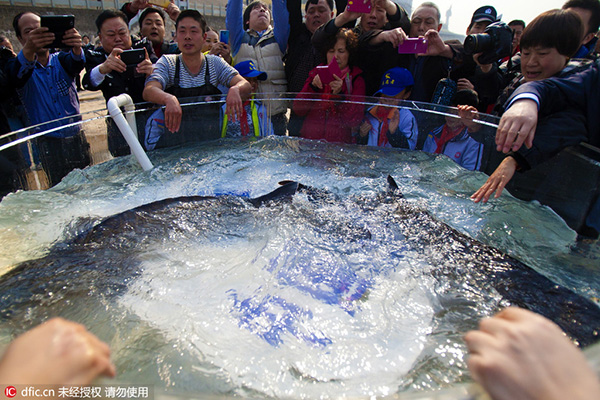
342 289
39 157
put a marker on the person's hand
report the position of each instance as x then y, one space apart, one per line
466 112
485 68
316 82
517 126
518 354
394 36
221 49
436 46
497 181
389 5
394 120
145 67
467 115
234 105
336 84
38 38
365 128
113 63
173 114
57 352
137 5
346 17
72 38
464 83
173 11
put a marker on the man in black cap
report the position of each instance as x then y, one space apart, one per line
482 17
483 78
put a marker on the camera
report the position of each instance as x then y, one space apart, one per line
494 43
6 53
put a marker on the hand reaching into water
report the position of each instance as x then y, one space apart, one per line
497 181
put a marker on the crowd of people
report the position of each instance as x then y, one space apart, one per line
322 55
541 78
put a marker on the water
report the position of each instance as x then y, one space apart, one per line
299 299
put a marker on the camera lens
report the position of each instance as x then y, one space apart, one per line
478 43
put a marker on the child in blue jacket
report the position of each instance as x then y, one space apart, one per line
387 124
254 121
453 138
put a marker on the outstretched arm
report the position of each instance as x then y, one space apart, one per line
281 26
497 181
548 96
234 23
517 126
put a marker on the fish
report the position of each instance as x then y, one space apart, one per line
517 283
106 258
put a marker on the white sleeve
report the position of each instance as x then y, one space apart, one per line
96 77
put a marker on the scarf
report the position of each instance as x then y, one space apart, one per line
244 127
383 114
446 136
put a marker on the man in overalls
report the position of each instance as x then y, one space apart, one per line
196 75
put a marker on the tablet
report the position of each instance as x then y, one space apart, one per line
58 24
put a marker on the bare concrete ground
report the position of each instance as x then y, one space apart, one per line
92 104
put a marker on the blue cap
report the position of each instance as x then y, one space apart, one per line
394 81
247 69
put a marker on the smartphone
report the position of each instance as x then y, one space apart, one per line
224 36
359 6
413 46
160 3
58 24
326 72
133 57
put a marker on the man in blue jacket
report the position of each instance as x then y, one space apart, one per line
45 84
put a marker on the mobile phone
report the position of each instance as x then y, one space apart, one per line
133 57
359 6
413 46
57 24
160 3
224 36
326 72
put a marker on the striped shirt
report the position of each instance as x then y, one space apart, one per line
220 72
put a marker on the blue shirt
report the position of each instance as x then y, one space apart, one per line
462 149
50 91
407 126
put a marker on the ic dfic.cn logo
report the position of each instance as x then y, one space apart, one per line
10 391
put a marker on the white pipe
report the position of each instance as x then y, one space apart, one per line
128 127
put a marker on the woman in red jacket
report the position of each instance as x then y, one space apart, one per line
330 119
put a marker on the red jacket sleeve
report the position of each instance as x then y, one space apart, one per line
300 107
